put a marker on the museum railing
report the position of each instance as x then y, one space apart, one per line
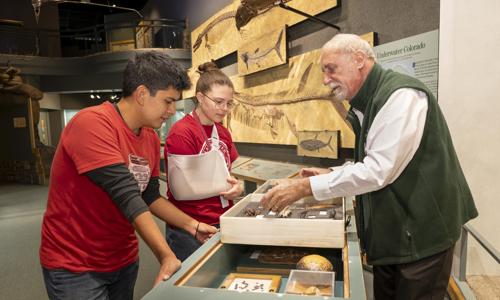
110 36
461 280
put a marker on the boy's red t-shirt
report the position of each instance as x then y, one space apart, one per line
83 230
186 138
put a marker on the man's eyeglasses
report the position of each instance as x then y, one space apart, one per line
219 104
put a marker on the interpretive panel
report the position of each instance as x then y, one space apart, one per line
416 56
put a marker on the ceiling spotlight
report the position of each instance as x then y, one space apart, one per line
98 97
92 96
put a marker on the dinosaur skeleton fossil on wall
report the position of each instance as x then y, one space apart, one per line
270 112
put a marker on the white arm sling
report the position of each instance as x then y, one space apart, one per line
199 176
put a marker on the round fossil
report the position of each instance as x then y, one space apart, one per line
314 262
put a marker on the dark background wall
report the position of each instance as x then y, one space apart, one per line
67 101
197 11
15 143
26 45
56 126
78 101
391 19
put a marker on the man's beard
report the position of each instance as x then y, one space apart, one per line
339 96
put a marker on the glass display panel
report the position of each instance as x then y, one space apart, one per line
68 114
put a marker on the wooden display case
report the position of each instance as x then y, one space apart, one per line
322 233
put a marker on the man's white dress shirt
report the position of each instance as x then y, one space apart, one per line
392 140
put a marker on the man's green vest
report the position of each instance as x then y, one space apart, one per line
422 212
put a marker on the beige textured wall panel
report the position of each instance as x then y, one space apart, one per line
218 36
274 104
194 76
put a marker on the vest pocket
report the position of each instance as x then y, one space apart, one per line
387 235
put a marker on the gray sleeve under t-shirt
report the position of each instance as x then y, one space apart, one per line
123 189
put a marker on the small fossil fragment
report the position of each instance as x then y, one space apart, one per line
312 291
285 213
249 212
258 212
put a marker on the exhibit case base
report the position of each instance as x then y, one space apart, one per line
233 271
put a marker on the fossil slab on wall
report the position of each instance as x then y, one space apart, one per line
322 143
269 50
219 36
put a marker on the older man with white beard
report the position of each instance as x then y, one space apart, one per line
411 194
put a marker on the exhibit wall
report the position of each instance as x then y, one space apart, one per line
391 21
468 96
15 144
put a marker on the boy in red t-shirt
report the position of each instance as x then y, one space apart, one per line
104 186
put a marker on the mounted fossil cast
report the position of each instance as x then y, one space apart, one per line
253 108
250 9
216 23
258 56
315 144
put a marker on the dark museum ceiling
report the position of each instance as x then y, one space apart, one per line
81 15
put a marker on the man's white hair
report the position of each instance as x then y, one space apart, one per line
347 44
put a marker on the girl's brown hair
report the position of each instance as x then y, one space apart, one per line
210 75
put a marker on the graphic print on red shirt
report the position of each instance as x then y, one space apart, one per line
139 166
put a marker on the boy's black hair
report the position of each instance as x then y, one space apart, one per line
155 70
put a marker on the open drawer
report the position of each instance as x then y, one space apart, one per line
310 224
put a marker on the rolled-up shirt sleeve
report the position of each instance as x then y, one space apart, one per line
391 143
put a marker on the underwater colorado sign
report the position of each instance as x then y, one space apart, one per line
401 50
416 56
